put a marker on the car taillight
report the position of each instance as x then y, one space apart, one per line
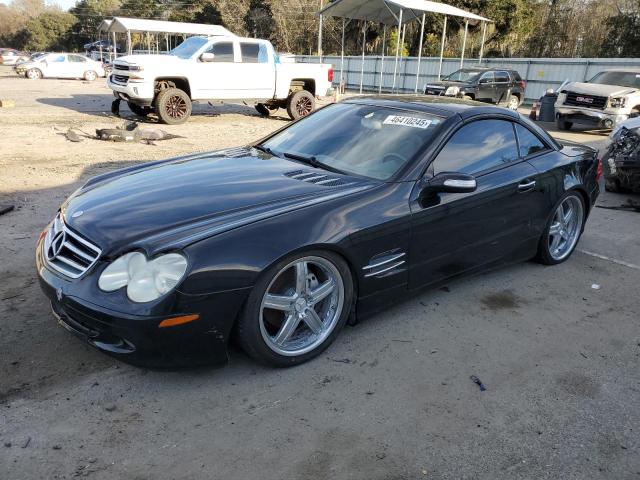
523 84
330 75
599 170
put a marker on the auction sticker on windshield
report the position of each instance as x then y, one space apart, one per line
414 122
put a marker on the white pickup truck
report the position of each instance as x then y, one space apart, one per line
226 68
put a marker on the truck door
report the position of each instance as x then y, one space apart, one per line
216 79
256 73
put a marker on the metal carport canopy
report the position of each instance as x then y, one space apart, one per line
125 24
396 12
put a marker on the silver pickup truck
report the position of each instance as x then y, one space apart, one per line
608 99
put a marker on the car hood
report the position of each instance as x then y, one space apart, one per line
176 202
448 83
597 89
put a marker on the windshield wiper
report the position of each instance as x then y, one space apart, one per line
266 150
313 161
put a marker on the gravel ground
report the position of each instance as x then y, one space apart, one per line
392 399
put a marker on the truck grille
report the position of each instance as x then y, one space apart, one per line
119 66
66 251
589 101
123 79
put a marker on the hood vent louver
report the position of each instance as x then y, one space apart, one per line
318 178
237 152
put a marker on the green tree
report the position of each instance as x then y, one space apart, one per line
141 9
392 43
259 19
90 14
48 31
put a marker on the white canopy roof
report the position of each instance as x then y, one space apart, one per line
124 24
387 11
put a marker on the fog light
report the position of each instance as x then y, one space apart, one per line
608 123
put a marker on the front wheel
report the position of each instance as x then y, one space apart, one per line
34 74
300 104
173 106
90 75
563 230
563 124
296 309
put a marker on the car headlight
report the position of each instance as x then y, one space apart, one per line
145 279
452 91
136 68
618 102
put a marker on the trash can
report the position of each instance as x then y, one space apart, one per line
547 107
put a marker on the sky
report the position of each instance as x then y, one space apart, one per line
64 4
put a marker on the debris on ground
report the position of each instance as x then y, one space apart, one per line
595 286
6 103
26 443
129 132
110 408
477 381
6 209
630 206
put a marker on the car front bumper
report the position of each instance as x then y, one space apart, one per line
138 339
586 116
140 93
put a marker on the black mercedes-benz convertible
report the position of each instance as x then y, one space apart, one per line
331 218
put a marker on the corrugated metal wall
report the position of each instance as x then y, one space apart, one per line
540 73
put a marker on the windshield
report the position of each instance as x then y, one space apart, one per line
623 79
190 46
464 76
366 140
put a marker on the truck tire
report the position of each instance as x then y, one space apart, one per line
300 104
173 106
139 110
262 109
563 124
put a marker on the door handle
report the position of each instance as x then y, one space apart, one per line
526 186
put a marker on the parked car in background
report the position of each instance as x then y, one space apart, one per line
621 160
63 65
280 242
218 68
19 67
608 99
499 86
99 45
9 56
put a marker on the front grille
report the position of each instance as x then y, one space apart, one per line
67 252
317 178
119 66
120 78
589 101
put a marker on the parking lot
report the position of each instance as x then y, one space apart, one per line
558 348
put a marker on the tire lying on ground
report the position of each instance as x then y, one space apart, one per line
173 106
300 104
140 110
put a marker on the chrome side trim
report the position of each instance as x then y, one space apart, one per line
384 270
383 262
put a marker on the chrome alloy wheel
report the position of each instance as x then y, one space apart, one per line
301 306
513 103
565 227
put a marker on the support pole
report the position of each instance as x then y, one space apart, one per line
384 38
420 53
320 34
464 42
484 34
166 41
444 35
342 55
129 42
395 65
364 42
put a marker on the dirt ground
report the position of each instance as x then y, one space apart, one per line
391 399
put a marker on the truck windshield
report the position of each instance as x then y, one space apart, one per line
623 79
367 140
190 46
463 76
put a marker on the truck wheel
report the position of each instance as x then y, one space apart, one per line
612 186
300 104
262 109
563 124
173 106
140 110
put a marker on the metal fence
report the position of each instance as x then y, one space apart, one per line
540 73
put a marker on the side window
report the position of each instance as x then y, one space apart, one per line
502 77
77 58
56 59
250 52
487 77
478 146
223 52
529 143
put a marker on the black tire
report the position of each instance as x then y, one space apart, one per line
543 255
247 330
300 104
612 185
33 74
173 106
140 110
563 124
262 109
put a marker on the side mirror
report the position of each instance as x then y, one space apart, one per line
451 183
207 57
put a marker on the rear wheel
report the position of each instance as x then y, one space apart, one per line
612 186
296 309
563 230
300 104
34 74
514 102
562 124
173 106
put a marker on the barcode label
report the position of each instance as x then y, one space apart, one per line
414 122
